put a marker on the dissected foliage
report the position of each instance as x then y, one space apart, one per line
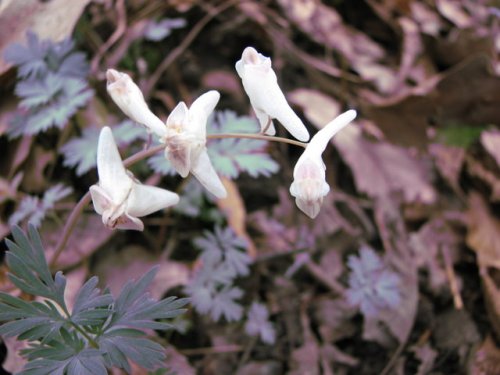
99 332
222 261
52 84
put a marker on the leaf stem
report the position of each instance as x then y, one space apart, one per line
141 155
258 136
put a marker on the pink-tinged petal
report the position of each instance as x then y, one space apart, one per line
127 95
100 199
178 117
145 199
113 177
309 186
178 154
204 172
310 208
199 111
127 222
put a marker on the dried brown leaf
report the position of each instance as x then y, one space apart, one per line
14 363
449 161
177 363
490 177
486 359
483 236
444 99
53 19
317 107
381 169
235 211
491 142
115 268
324 25
86 238
452 10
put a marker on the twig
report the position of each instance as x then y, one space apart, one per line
452 279
320 275
177 51
212 350
120 29
257 136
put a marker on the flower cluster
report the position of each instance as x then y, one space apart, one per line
120 199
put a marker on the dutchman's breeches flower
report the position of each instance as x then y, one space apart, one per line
118 197
309 186
185 138
267 99
128 97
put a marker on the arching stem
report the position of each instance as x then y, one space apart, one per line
85 200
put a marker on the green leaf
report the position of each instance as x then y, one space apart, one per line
232 156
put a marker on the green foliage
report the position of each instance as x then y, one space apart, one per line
211 289
81 152
99 332
459 135
229 156
52 84
232 156
34 209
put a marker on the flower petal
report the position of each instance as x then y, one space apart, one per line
205 173
261 85
320 140
179 155
145 199
113 178
127 95
199 111
310 208
178 117
128 222
100 199
266 123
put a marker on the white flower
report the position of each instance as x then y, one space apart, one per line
186 137
309 186
266 97
127 95
118 197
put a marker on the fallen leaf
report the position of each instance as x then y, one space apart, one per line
443 100
324 25
483 233
491 142
233 207
114 268
453 11
490 177
449 161
53 20
176 363
88 235
74 281
427 357
446 334
333 317
381 169
319 108
14 363
483 236
486 359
